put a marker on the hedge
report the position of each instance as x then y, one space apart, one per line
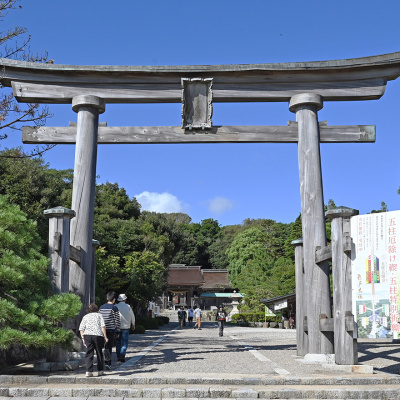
255 317
162 320
139 329
148 323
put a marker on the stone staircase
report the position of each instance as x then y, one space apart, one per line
196 387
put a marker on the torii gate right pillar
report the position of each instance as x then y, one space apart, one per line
317 284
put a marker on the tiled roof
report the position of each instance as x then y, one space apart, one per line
215 278
182 275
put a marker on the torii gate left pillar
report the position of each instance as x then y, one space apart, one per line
88 109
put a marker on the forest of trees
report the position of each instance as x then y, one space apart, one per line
136 243
137 246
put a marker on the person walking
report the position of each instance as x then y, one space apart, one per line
221 318
111 317
184 315
181 317
94 335
127 318
197 314
190 316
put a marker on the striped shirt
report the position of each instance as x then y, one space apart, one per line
111 317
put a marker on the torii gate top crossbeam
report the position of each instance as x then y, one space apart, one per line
336 80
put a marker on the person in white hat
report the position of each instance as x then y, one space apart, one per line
127 320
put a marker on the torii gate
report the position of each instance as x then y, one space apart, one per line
305 85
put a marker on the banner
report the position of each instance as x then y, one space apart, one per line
375 274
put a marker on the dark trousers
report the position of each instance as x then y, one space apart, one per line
109 344
190 319
94 343
221 328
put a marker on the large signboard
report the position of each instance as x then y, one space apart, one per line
375 274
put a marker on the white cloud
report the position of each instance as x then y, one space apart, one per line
220 205
160 202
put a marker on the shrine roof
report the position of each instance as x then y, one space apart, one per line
183 275
216 278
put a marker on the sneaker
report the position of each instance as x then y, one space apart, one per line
108 366
199 329
89 374
194 327
101 373
121 359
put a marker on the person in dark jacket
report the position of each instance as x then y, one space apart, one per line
181 317
110 313
221 318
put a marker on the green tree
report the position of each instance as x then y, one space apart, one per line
295 232
30 314
246 254
115 221
34 187
219 247
383 208
282 279
147 278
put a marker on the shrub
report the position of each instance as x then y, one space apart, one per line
236 317
165 320
148 323
139 329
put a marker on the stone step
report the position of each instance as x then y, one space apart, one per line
90 391
197 387
112 378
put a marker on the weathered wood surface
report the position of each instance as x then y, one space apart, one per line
59 252
345 342
324 254
301 299
75 254
352 79
88 109
217 134
222 92
313 220
196 103
95 245
326 324
379 66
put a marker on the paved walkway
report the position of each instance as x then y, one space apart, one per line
198 364
242 351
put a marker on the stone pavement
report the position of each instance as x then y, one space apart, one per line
244 363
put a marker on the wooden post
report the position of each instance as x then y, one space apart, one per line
345 330
92 299
88 109
301 299
59 231
306 106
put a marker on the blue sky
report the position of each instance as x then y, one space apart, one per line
227 182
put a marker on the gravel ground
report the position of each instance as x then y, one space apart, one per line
243 352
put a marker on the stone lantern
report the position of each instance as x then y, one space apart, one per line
236 297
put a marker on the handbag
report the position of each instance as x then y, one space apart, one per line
106 354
